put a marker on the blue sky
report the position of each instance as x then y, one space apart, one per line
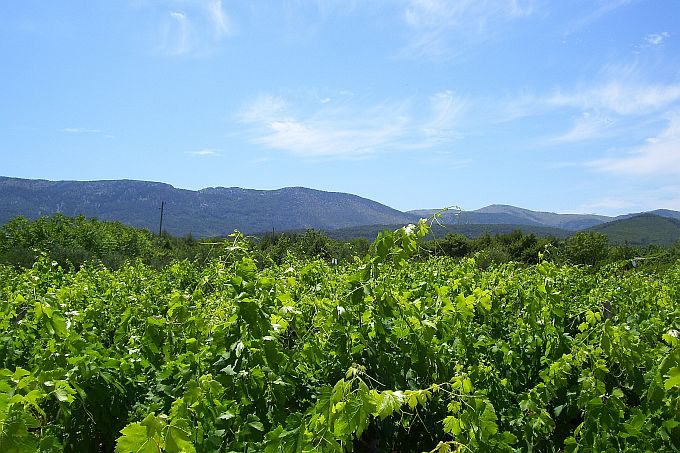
566 106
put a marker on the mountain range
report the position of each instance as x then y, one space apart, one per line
217 211
214 211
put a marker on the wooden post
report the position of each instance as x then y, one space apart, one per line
160 226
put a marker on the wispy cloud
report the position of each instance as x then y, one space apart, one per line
266 108
177 40
447 13
196 28
658 156
634 198
177 35
446 110
80 130
206 152
598 105
618 99
351 129
621 97
219 19
436 26
83 130
261 160
655 39
320 137
599 10
587 126
606 204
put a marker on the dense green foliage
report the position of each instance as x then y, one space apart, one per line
385 353
74 241
470 231
642 230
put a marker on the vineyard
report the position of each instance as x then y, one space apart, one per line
384 354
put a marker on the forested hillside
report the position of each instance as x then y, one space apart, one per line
642 230
208 212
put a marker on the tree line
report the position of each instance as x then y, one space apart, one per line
73 241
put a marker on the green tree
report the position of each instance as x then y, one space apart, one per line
587 247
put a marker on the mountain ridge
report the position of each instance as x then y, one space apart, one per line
212 211
507 214
217 211
641 230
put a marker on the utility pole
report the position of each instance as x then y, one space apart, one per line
160 227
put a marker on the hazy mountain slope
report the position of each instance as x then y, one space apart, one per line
643 229
505 214
439 231
666 213
660 212
565 221
207 212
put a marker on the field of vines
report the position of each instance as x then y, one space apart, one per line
386 354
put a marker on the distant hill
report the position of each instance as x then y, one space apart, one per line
505 214
641 230
660 212
218 211
206 212
471 231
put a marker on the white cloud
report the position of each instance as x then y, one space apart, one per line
606 204
620 97
206 152
261 160
603 102
351 129
195 29
627 198
324 139
80 130
177 35
617 95
438 25
264 108
219 18
455 13
602 8
657 157
83 130
587 126
446 110
655 39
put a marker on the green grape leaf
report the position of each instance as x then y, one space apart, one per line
389 402
14 435
134 439
673 378
64 392
177 438
452 425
